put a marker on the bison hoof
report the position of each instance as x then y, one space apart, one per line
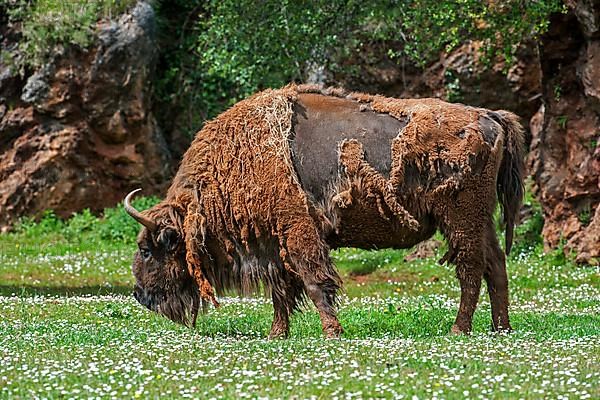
334 332
502 329
278 334
456 330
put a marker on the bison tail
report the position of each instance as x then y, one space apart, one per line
510 176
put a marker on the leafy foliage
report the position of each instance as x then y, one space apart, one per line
240 47
280 41
430 26
528 234
117 225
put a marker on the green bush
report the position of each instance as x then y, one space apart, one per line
278 41
528 234
47 224
117 225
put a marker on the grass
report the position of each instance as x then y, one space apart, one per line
69 328
49 24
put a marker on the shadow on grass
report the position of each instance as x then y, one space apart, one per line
30 290
362 269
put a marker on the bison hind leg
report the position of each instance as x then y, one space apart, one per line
497 282
466 254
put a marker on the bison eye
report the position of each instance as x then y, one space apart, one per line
145 253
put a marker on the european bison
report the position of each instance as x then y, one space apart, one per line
271 185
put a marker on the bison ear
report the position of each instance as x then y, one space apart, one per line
169 239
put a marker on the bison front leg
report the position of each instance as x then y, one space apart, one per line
285 301
280 328
310 259
469 273
323 295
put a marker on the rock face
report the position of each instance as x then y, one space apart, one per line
565 156
78 133
458 77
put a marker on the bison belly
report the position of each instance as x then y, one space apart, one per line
320 125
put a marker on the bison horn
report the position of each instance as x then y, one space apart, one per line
135 214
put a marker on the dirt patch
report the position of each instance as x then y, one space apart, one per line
423 250
384 277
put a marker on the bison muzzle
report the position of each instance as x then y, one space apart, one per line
271 185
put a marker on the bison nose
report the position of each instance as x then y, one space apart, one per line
140 296
144 298
137 291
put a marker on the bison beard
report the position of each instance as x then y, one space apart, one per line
271 185
180 305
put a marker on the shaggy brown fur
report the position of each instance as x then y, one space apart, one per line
248 206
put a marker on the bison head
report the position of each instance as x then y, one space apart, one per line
163 283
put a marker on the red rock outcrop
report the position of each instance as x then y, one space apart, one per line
78 133
565 156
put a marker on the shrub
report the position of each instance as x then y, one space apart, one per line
47 224
117 225
528 234
113 226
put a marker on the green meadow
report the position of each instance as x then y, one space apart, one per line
70 328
